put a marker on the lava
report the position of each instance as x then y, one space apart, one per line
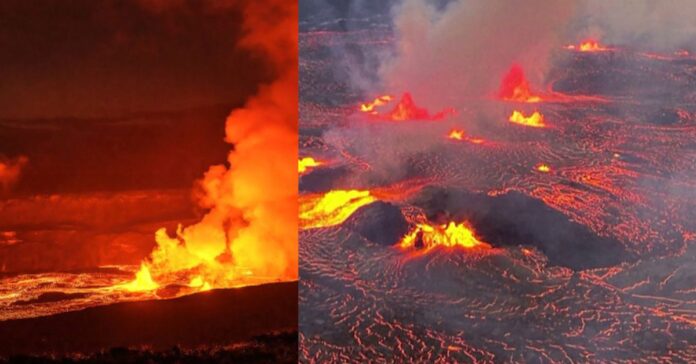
544 168
369 107
515 87
588 45
448 235
458 134
331 208
306 163
535 120
142 282
249 233
405 109
606 174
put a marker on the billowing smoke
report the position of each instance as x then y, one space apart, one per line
254 202
644 24
251 226
10 172
455 55
463 50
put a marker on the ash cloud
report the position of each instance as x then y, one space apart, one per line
653 25
462 50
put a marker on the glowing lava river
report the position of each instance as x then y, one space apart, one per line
564 233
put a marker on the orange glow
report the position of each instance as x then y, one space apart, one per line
456 134
200 284
306 163
543 168
249 233
515 87
536 120
369 107
447 235
142 282
405 109
10 172
331 208
588 45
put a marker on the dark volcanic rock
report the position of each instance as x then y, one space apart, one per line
517 219
214 318
272 348
322 179
379 222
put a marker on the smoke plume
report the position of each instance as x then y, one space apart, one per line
462 50
644 24
251 224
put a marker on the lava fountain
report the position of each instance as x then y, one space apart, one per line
249 234
588 45
535 120
405 109
447 235
369 107
515 87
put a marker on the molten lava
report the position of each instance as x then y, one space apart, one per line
588 45
249 233
405 109
143 281
306 163
369 107
544 168
458 134
515 87
331 208
448 235
536 120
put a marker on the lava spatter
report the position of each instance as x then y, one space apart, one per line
404 110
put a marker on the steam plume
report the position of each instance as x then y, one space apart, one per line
655 25
462 50
252 219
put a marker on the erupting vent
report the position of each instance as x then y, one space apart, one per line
447 235
405 109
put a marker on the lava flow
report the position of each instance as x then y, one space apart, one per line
578 219
535 120
405 109
458 134
369 107
515 87
448 235
588 45
306 163
331 208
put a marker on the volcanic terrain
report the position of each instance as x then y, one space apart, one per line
549 227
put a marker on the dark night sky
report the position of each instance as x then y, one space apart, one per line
105 58
120 94
117 107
